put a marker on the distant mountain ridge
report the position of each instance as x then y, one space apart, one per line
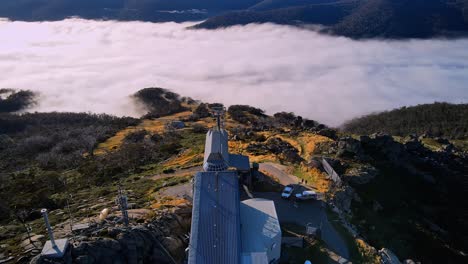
351 18
362 18
141 10
325 14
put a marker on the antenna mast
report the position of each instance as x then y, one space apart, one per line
218 112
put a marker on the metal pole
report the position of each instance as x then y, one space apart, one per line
122 201
49 228
70 216
124 209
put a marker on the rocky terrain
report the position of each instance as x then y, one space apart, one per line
404 193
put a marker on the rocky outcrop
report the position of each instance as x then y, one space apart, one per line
360 174
383 147
327 132
349 147
343 197
277 146
161 240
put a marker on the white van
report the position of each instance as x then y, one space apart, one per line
306 195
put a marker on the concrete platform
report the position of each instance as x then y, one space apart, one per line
79 227
57 251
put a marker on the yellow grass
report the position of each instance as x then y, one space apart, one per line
308 142
368 252
314 177
168 202
305 143
238 147
150 125
183 159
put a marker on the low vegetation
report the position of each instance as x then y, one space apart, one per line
438 119
45 157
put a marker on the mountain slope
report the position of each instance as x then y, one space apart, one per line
275 4
145 10
324 14
439 119
403 19
360 18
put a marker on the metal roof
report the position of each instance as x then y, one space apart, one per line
216 142
255 258
260 230
240 162
215 232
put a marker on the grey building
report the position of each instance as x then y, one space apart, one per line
224 229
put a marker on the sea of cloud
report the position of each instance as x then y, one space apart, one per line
83 65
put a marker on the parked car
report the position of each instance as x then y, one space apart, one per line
388 257
306 195
287 192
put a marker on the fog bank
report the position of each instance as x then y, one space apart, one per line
80 65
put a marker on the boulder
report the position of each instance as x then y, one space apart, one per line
343 198
384 147
361 174
327 132
173 245
349 147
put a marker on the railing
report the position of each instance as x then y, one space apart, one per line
331 172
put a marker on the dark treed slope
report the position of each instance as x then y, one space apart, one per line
351 18
160 102
13 101
438 119
313 14
275 4
144 10
364 18
404 18
53 140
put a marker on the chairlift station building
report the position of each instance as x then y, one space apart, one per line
224 229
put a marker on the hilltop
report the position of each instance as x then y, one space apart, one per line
399 192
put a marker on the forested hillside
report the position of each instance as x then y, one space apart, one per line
438 119
147 10
404 19
275 4
359 18
350 18
313 14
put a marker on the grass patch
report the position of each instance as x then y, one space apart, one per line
171 181
167 202
313 176
431 144
460 144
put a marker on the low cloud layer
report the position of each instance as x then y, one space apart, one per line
80 65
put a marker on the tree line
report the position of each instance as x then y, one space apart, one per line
437 119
